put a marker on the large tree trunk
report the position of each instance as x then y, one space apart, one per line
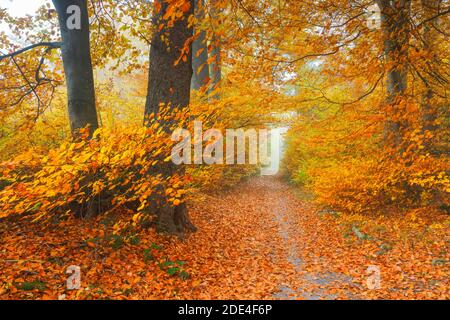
200 76
169 84
395 25
77 63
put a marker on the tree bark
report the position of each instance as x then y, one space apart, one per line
395 26
200 66
169 84
77 65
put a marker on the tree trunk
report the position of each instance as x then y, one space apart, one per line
430 8
169 84
395 27
200 67
77 63
215 51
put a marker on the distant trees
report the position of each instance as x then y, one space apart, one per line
200 66
206 47
215 51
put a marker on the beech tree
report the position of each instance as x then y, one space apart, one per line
169 84
75 49
73 22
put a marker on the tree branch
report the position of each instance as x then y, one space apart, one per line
49 45
442 13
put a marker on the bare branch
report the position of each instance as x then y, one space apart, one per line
49 45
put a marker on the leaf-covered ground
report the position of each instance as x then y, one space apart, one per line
260 240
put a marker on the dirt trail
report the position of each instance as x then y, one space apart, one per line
287 208
266 220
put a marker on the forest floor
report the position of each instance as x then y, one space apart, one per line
261 240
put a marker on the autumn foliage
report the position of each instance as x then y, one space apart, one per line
364 179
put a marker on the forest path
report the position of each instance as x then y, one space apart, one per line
259 240
262 230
